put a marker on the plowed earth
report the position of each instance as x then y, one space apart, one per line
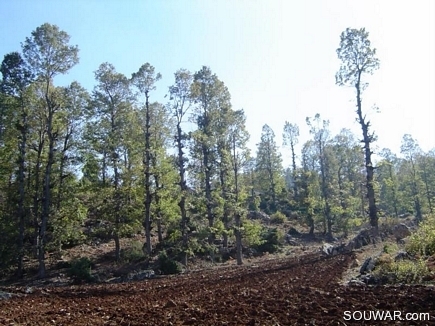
291 291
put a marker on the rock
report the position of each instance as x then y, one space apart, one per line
255 215
368 265
292 242
332 250
355 282
141 275
363 238
402 255
401 231
5 295
293 232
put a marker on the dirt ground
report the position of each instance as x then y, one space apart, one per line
304 290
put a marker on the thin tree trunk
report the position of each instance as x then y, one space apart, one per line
46 200
21 182
183 189
238 233
367 139
147 162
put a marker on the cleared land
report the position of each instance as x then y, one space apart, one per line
287 291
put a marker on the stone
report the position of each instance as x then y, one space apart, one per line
255 215
401 231
402 255
368 265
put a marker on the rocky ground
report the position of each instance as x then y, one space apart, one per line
304 290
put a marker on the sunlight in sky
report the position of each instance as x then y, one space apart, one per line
277 58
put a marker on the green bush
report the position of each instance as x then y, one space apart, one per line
168 265
80 270
133 253
422 242
278 218
390 248
404 271
251 233
271 240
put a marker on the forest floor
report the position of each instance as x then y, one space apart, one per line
298 287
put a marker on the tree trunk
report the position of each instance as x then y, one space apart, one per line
36 195
21 186
147 162
46 200
367 139
208 198
183 188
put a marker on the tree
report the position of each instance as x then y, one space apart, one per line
411 150
144 79
357 60
269 167
16 79
48 54
345 154
108 120
238 137
181 103
290 139
211 97
389 199
320 132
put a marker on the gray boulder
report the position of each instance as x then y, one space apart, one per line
255 215
5 295
401 231
402 255
368 265
332 250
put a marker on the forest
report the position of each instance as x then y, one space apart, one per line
107 163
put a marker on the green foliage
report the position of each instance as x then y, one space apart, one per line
403 271
278 218
133 253
80 270
271 240
390 248
422 241
251 233
167 265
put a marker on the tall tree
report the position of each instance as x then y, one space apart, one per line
108 120
357 60
144 79
411 150
269 166
238 137
49 54
211 96
389 199
320 132
16 79
290 138
180 105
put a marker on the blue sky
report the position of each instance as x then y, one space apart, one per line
277 58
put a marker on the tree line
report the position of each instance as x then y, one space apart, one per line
115 161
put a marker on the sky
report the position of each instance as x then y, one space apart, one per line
277 58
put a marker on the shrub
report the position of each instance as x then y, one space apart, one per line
404 271
422 242
278 218
252 233
168 265
133 253
80 270
390 248
271 240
